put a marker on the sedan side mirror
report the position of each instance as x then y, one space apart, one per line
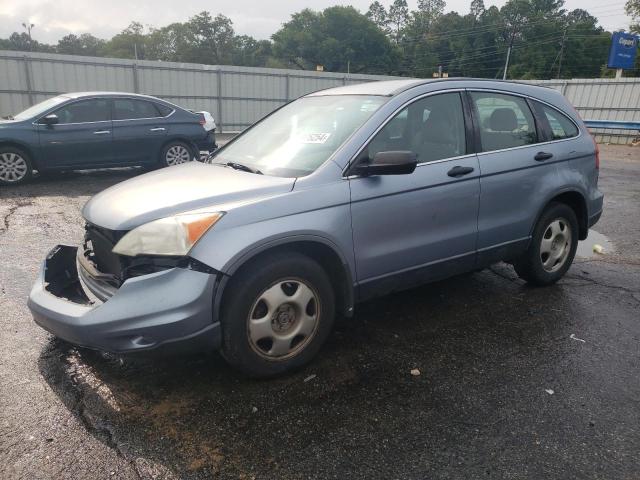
400 162
50 119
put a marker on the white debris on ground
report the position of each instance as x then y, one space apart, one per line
573 337
549 391
415 372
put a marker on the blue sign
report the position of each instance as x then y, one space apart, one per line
624 47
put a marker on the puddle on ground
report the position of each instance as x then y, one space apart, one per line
585 247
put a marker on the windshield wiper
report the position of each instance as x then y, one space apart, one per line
9 117
240 166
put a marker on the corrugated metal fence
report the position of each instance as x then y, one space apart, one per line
238 96
603 99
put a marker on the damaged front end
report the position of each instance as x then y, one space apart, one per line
92 297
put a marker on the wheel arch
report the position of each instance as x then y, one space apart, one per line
24 147
325 254
181 139
574 199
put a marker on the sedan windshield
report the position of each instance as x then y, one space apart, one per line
301 136
40 108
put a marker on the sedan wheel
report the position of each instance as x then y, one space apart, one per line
177 154
284 319
14 167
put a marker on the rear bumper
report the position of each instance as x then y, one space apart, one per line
208 143
172 308
595 208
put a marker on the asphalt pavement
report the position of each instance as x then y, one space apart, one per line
514 382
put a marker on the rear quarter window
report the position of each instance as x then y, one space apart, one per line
164 110
559 124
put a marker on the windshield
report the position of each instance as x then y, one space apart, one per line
301 136
39 108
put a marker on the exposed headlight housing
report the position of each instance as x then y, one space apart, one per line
172 236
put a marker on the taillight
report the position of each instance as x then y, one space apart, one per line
202 120
595 144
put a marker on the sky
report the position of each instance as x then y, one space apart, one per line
259 18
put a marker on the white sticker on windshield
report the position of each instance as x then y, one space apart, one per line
369 107
315 137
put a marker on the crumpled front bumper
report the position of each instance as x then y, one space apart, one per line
172 308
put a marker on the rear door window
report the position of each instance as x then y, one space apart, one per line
131 109
505 121
560 125
85 111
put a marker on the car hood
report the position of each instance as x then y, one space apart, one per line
175 190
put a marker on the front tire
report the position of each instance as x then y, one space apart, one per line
277 313
175 153
553 246
15 166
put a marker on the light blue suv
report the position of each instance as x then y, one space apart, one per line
337 197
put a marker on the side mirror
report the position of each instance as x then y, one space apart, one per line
50 119
389 163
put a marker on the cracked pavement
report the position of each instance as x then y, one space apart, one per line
489 349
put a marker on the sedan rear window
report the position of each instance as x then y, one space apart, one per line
131 109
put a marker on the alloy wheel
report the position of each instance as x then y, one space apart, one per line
284 319
177 154
13 167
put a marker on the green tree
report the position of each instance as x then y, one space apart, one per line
378 15
339 38
85 44
477 9
398 19
428 12
127 44
213 37
632 7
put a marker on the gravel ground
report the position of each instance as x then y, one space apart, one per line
515 382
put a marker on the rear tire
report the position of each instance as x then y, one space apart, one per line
277 314
15 166
553 246
176 153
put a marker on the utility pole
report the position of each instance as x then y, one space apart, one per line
564 36
506 62
28 26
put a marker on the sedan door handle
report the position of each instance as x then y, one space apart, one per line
157 129
459 171
542 156
102 132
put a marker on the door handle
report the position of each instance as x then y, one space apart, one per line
157 129
102 132
542 156
459 171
